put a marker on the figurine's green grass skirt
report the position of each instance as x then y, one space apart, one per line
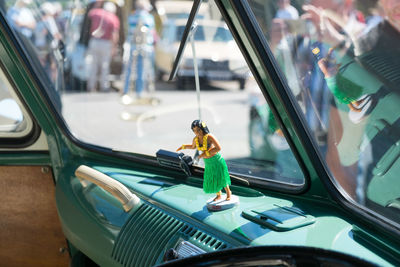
216 175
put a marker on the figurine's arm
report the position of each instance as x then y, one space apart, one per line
215 147
189 146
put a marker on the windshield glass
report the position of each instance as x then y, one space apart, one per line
341 61
105 66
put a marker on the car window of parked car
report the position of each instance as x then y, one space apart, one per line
222 34
198 35
340 60
118 97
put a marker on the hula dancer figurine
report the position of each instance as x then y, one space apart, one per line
216 175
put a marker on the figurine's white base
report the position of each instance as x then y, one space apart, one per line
222 204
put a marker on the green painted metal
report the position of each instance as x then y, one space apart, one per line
82 227
279 218
25 158
383 248
179 204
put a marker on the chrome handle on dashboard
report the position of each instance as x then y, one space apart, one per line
117 189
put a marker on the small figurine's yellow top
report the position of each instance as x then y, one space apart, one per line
204 147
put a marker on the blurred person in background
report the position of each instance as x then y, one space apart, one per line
60 21
142 35
22 19
339 27
292 49
283 43
104 28
47 29
286 10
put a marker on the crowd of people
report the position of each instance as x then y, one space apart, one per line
102 36
39 24
106 41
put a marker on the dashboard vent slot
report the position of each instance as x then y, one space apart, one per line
144 237
207 241
202 239
188 230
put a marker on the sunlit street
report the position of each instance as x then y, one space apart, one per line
148 124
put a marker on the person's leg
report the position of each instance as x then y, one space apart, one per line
128 69
105 60
93 66
139 75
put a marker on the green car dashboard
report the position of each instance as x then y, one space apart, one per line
107 163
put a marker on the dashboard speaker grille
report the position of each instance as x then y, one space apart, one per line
144 237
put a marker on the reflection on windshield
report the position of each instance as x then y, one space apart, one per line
113 87
341 62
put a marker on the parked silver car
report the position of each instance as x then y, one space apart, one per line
218 56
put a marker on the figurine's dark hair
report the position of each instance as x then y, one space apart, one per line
202 125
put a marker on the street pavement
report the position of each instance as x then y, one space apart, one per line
162 119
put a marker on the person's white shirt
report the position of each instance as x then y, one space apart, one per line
289 12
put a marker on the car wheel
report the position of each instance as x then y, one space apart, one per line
181 83
159 75
242 84
77 85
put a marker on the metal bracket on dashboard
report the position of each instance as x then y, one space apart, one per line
175 160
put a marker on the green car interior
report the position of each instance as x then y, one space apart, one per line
310 135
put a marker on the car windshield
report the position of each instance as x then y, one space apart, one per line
104 65
341 61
